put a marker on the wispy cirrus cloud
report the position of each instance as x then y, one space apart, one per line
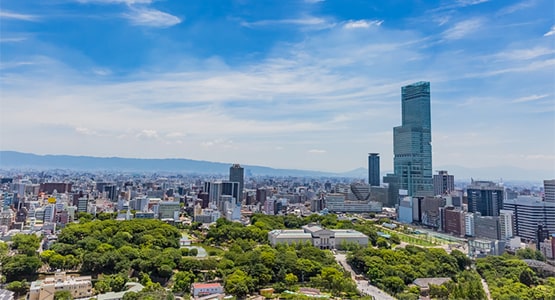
151 17
530 98
17 16
525 54
551 31
317 151
457 4
12 39
530 67
516 7
463 28
304 21
463 3
362 24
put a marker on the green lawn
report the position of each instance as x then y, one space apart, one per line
412 239
209 249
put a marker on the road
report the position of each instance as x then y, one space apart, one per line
486 288
362 285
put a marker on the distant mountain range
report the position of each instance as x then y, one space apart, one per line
19 160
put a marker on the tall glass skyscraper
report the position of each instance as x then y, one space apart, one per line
374 169
412 140
237 174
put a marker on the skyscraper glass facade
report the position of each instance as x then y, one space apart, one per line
412 140
237 174
374 169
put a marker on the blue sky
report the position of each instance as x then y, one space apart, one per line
288 84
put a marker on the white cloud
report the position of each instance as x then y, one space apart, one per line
148 133
129 2
319 23
541 157
16 64
458 4
151 17
530 98
463 3
101 71
524 54
12 39
551 31
462 29
532 66
220 143
517 7
442 20
175 134
17 16
85 131
316 151
362 24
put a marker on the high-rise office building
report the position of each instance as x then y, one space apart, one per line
237 174
529 212
549 190
443 183
485 197
412 146
374 169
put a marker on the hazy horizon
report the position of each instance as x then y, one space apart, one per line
461 173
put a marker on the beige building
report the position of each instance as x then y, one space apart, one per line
79 287
318 237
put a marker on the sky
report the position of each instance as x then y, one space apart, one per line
303 84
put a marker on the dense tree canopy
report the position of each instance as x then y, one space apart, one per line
509 277
394 269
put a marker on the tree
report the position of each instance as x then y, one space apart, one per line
18 287
193 252
238 283
27 244
63 295
182 282
393 284
102 286
57 261
20 266
463 261
439 292
527 277
165 271
291 279
382 243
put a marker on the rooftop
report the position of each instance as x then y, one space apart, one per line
200 285
425 282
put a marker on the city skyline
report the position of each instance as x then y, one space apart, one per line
311 85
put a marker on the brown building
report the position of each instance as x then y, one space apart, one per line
430 211
452 220
60 187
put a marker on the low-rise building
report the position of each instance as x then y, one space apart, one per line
129 287
199 289
318 236
79 287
